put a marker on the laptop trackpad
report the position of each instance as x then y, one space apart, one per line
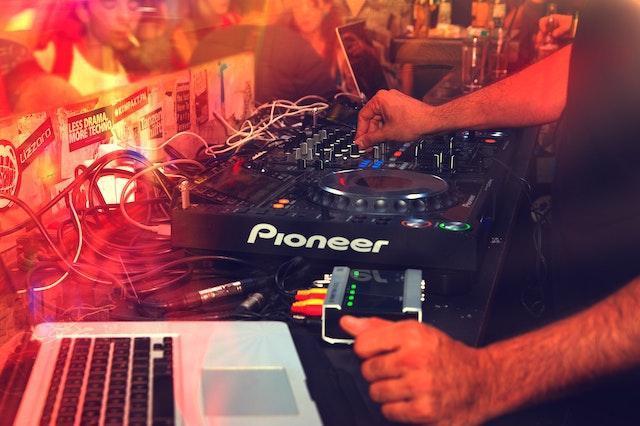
251 391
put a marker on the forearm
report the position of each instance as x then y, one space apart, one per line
601 340
534 96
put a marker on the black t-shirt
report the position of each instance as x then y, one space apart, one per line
596 222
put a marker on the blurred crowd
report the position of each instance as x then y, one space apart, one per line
74 48
55 52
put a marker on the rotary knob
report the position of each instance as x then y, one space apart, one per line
327 199
380 206
360 204
419 206
401 206
341 202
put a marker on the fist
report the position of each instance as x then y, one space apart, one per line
392 116
420 375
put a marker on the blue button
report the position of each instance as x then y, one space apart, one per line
365 163
378 164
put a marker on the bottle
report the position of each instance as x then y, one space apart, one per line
474 60
480 13
499 13
444 14
421 18
499 46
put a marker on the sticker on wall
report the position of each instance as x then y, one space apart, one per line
130 105
9 172
29 166
151 125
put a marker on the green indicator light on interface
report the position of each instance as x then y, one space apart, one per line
351 297
352 291
349 304
353 286
356 274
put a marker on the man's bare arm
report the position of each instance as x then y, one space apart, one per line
534 96
420 375
602 340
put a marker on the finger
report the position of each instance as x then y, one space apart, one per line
542 25
379 340
372 109
366 114
382 367
364 124
407 412
356 326
373 137
559 32
386 391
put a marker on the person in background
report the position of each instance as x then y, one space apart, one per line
212 14
419 374
316 21
287 66
156 51
85 51
201 18
522 23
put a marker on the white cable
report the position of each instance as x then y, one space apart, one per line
171 139
347 95
256 132
76 257
125 190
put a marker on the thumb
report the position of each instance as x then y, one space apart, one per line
356 326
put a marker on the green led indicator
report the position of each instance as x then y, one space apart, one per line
351 297
352 291
349 304
353 286
356 274
454 226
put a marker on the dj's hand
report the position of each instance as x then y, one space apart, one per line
392 116
419 374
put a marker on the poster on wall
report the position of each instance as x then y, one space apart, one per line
183 106
223 89
231 88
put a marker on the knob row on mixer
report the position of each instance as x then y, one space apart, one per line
383 206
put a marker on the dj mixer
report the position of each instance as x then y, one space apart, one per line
427 204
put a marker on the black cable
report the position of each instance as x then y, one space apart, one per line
45 234
74 185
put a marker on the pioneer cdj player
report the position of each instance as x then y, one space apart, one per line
425 204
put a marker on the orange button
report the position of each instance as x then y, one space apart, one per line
284 201
278 206
397 154
490 141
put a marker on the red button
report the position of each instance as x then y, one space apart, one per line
397 154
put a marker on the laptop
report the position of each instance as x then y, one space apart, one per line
362 59
163 373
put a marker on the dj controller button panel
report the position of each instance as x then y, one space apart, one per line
314 193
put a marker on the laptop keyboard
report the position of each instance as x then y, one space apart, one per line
112 381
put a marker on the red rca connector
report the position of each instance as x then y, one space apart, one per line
312 293
308 308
